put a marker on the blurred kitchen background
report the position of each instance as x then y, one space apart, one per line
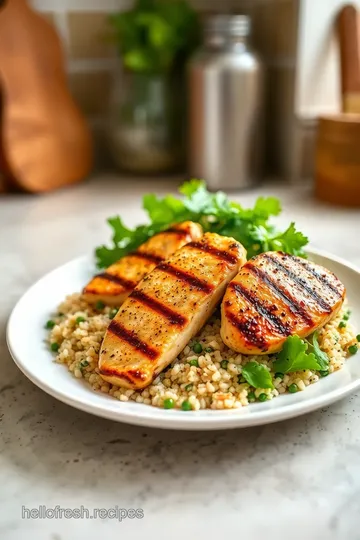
295 41
83 24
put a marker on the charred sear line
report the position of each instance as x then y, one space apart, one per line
299 281
110 372
198 284
323 280
262 309
117 279
282 293
250 330
132 339
219 253
180 232
155 305
150 257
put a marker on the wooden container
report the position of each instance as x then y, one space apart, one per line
337 160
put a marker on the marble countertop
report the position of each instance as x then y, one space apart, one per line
298 479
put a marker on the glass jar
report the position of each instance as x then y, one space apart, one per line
147 122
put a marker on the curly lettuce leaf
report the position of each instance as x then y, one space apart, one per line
215 212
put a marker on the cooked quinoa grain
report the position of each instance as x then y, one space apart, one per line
207 379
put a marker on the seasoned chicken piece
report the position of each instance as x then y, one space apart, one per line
167 309
276 295
117 282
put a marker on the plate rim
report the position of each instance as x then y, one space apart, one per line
217 420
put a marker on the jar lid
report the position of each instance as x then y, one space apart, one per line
229 25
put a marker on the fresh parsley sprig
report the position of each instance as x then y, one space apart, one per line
215 212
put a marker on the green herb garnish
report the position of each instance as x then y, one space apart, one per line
342 324
321 357
84 364
80 319
224 364
293 356
189 387
257 375
215 212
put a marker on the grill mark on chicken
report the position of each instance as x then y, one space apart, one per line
127 284
220 254
299 281
172 316
318 276
131 338
282 293
129 375
150 257
262 309
249 329
175 230
194 282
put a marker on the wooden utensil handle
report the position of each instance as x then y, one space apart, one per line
348 30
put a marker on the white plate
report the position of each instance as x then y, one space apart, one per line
26 335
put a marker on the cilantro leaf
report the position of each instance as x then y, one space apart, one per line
290 241
293 357
257 375
215 212
321 357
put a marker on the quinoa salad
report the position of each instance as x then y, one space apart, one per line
206 375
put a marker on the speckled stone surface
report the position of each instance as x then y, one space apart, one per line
298 479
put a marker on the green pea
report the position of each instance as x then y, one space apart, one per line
99 305
113 312
262 397
224 364
279 375
55 347
353 349
293 388
60 314
84 364
324 373
358 338
209 349
346 317
80 319
197 348
194 362
50 324
189 387
186 405
240 379
251 396
169 403
342 324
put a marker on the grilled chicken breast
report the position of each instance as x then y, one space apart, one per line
117 282
276 295
166 309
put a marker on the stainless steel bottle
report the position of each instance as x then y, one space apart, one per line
225 106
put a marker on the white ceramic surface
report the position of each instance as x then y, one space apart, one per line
26 341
